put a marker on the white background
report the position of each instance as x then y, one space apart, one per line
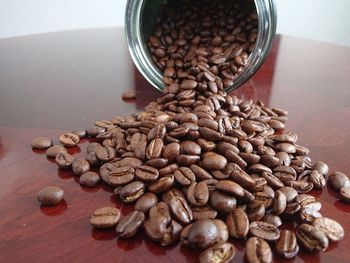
323 20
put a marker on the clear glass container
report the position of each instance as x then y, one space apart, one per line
140 19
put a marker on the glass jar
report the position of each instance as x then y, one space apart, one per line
140 19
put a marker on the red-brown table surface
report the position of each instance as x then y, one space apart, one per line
62 81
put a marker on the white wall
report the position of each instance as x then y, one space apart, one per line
323 20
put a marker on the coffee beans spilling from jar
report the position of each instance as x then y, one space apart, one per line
200 165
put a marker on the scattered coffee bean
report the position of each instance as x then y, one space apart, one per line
64 160
105 217
312 238
128 226
69 139
339 180
41 143
80 166
90 179
345 194
54 150
50 195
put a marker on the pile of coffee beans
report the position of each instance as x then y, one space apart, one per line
202 166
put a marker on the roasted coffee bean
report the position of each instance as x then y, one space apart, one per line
258 251
89 179
162 184
184 176
203 213
264 230
200 173
154 149
105 217
202 234
190 148
287 245
219 253
213 161
157 163
210 134
80 166
95 130
272 219
92 159
157 131
171 151
54 150
312 238
105 153
69 139
304 199
131 192
307 215
146 202
317 179
235 158
92 147
344 194
41 143
222 202
131 162
198 194
256 213
146 173
242 178
128 226
280 203
180 210
64 160
339 180
321 167
272 180
333 230
50 195
300 186
238 223
206 145
230 187
155 228
289 192
119 175
223 234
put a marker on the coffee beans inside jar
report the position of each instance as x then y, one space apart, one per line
200 165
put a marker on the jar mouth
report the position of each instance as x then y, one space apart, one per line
138 49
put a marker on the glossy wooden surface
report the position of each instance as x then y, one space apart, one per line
62 81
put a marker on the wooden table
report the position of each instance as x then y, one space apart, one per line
62 81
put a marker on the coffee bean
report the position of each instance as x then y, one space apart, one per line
256 213
317 179
162 184
222 202
344 193
238 223
89 179
264 230
50 195
230 187
80 132
131 192
321 167
105 153
203 213
146 202
128 226
54 150
190 148
214 161
118 175
198 194
69 139
272 219
154 149
220 253
258 251
180 210
289 192
105 217
339 180
199 172
311 238
146 173
333 230
307 215
92 159
184 176
41 143
287 245
92 147
280 203
155 228
80 166
171 151
64 160
202 234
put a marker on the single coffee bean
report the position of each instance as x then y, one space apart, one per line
128 226
264 230
41 143
64 160
223 234
54 150
69 139
180 210
95 130
317 179
242 178
287 245
222 202
92 159
156 227
280 203
258 251
146 173
321 167
80 166
184 176
162 184
105 153
219 253
256 213
118 175
171 151
339 180
131 162
311 238
213 161
344 194
190 148
198 194
238 223
92 147
154 149
200 173
105 217
146 202
89 179
50 195
272 219
289 192
333 230
131 192
202 234
230 187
